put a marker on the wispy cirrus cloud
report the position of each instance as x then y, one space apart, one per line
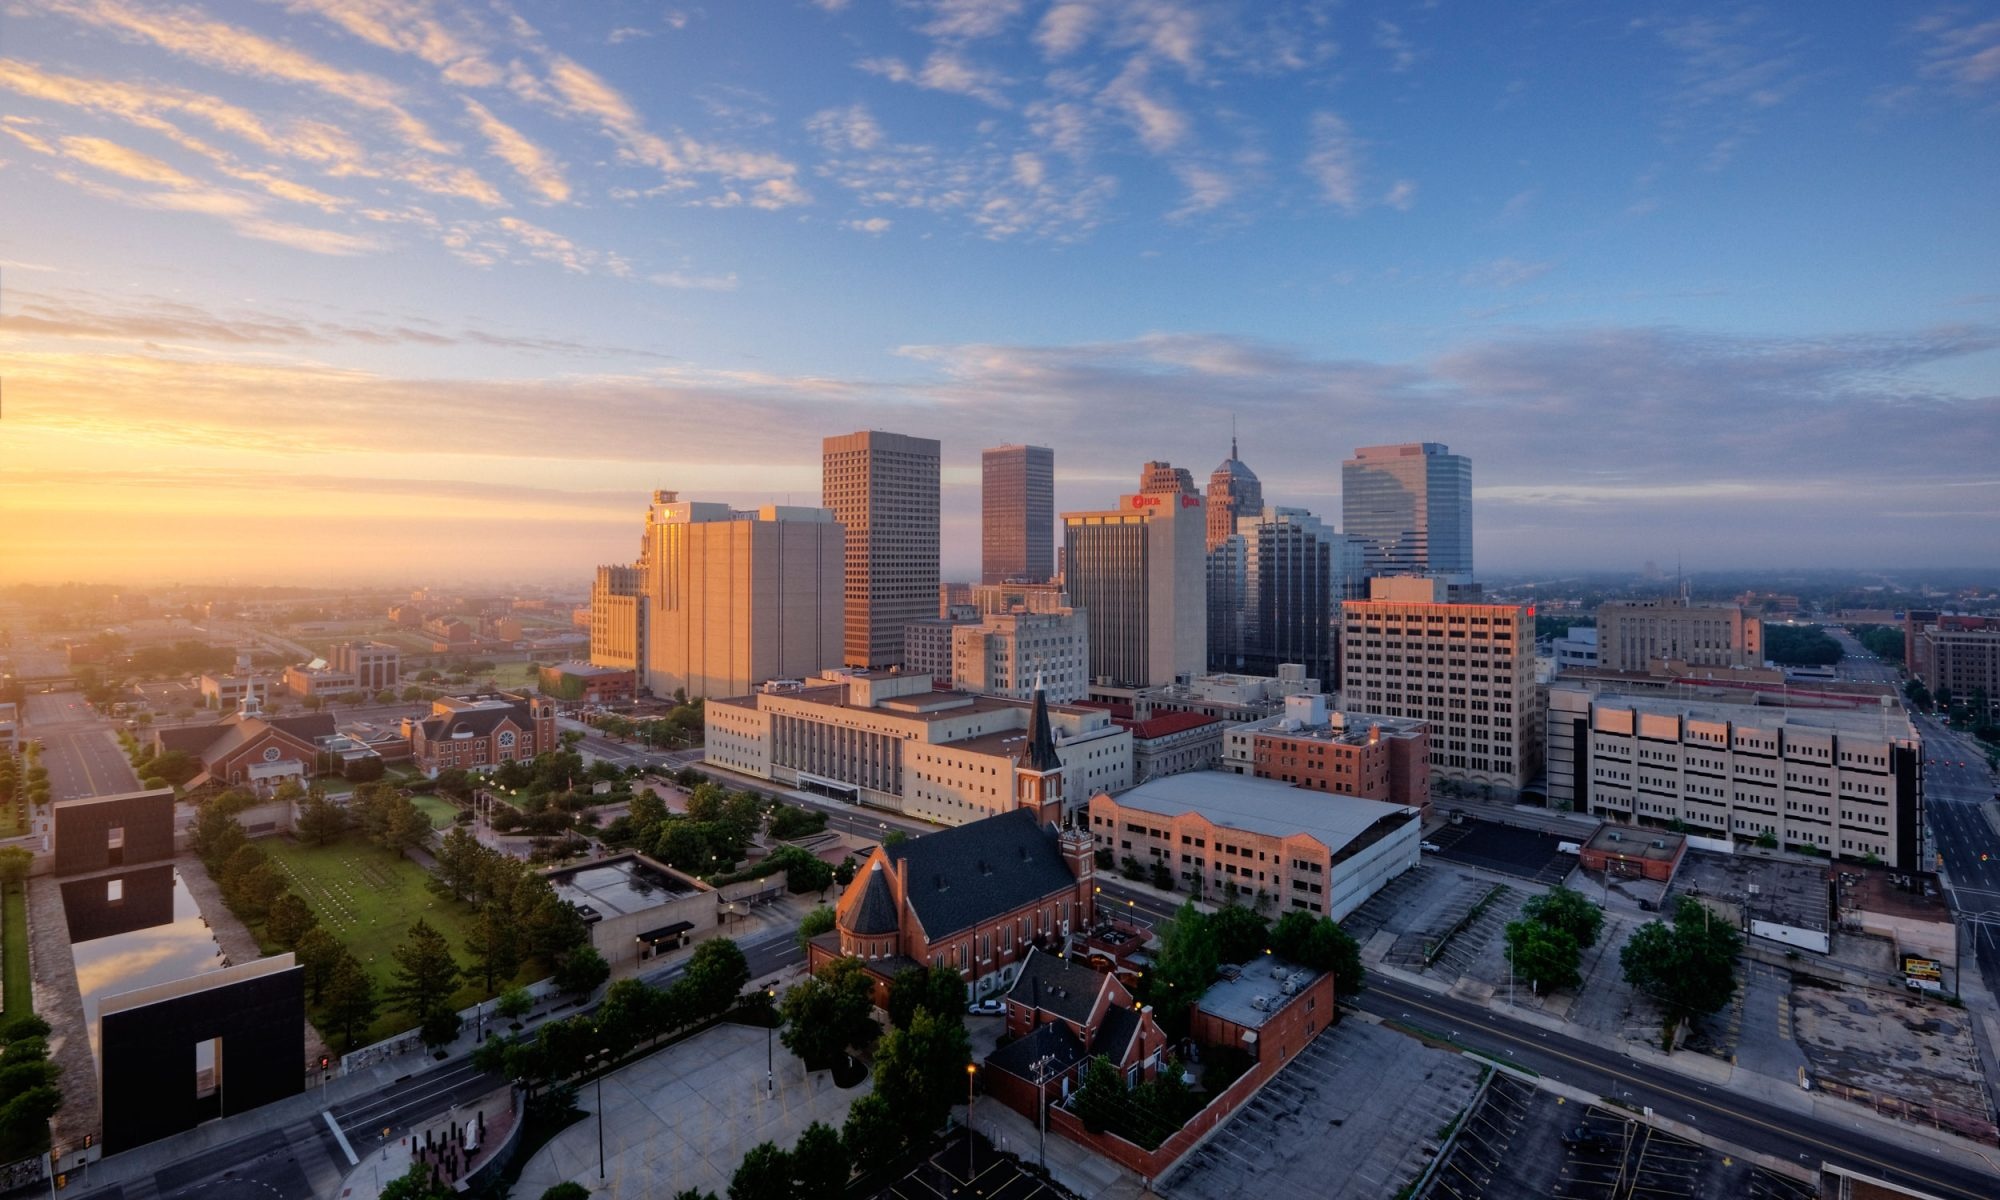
536 167
191 35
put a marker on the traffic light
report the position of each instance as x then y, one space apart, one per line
87 1139
323 1061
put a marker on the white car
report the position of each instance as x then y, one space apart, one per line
986 1008
1430 847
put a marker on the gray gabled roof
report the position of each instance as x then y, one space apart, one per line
961 877
1053 1042
1114 1037
876 913
1067 989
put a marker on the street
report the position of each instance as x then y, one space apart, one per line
78 748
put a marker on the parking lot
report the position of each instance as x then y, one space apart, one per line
1523 1144
1356 1115
1523 853
953 1169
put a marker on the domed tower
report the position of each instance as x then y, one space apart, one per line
1233 491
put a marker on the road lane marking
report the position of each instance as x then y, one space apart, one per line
340 1137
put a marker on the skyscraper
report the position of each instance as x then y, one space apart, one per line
1411 506
736 599
1234 492
1017 534
1164 478
1138 572
883 488
1273 587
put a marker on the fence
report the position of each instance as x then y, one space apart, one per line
23 1173
407 1042
1151 1164
1953 1120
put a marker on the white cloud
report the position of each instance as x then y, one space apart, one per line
531 162
1333 161
944 71
965 20
875 225
1064 28
413 27
1161 125
701 283
1402 196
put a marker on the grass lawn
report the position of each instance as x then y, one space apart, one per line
19 996
441 812
369 899
13 818
511 676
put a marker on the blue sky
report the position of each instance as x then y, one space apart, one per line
314 279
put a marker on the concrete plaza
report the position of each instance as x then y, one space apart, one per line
684 1117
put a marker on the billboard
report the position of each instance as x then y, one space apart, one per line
1923 968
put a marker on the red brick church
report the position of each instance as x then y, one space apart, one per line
977 897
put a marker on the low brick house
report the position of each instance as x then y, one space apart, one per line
475 733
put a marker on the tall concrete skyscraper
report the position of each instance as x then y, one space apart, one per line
883 488
1138 571
1411 506
1017 532
1234 492
736 599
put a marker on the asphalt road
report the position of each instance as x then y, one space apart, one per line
1860 665
1737 1119
78 748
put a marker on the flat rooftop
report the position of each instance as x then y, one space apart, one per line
1630 841
1257 993
1870 722
619 887
1355 729
1874 889
1768 889
1264 806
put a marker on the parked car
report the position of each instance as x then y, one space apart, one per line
1588 1140
1430 847
986 1008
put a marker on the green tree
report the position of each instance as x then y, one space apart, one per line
804 870
316 952
1688 967
288 919
349 996
321 821
1240 934
1567 909
514 1003
407 826
819 920
426 974
764 1174
494 941
455 782
715 975
579 971
1101 1097
909 990
922 1071
569 1189
820 1165
417 1183
15 862
944 994
1331 948
871 1133
827 1013
1185 965
1543 956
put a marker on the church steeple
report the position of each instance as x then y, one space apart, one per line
1038 773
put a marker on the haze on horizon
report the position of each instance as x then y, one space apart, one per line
369 289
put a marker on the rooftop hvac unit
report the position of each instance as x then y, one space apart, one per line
1659 844
1755 888
1261 1003
1291 986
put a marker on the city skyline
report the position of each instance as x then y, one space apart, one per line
289 289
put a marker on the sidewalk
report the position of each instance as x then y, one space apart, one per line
494 1113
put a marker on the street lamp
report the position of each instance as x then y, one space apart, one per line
597 1062
770 1062
971 1070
